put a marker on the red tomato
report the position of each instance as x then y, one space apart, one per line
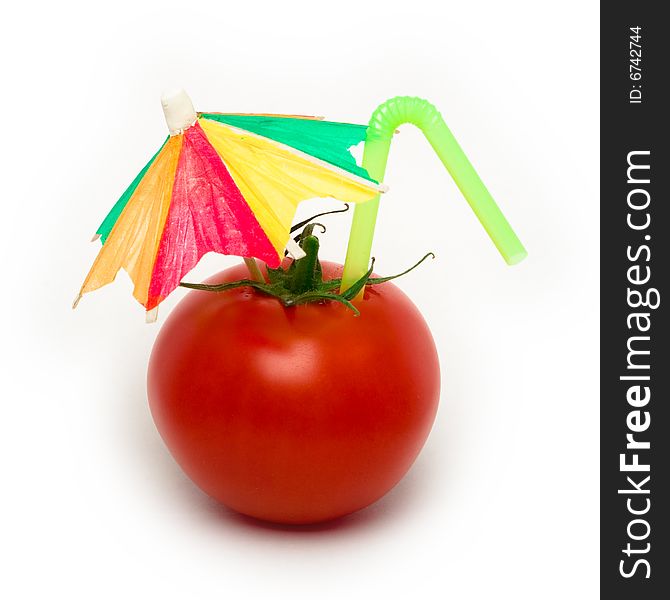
294 415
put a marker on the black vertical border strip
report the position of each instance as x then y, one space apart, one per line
627 127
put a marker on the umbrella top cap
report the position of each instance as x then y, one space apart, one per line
178 110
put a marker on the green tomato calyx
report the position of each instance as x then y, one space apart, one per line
301 282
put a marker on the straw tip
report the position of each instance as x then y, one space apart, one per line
516 258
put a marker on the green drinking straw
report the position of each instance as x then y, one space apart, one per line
383 123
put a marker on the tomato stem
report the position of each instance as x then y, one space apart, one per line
305 277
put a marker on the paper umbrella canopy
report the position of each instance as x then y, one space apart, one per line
226 183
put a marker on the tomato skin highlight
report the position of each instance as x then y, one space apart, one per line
294 414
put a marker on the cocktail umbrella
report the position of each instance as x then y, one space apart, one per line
226 183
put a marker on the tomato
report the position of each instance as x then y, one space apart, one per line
294 414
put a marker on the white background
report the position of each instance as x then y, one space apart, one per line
502 503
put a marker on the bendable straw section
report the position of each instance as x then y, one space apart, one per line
421 113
